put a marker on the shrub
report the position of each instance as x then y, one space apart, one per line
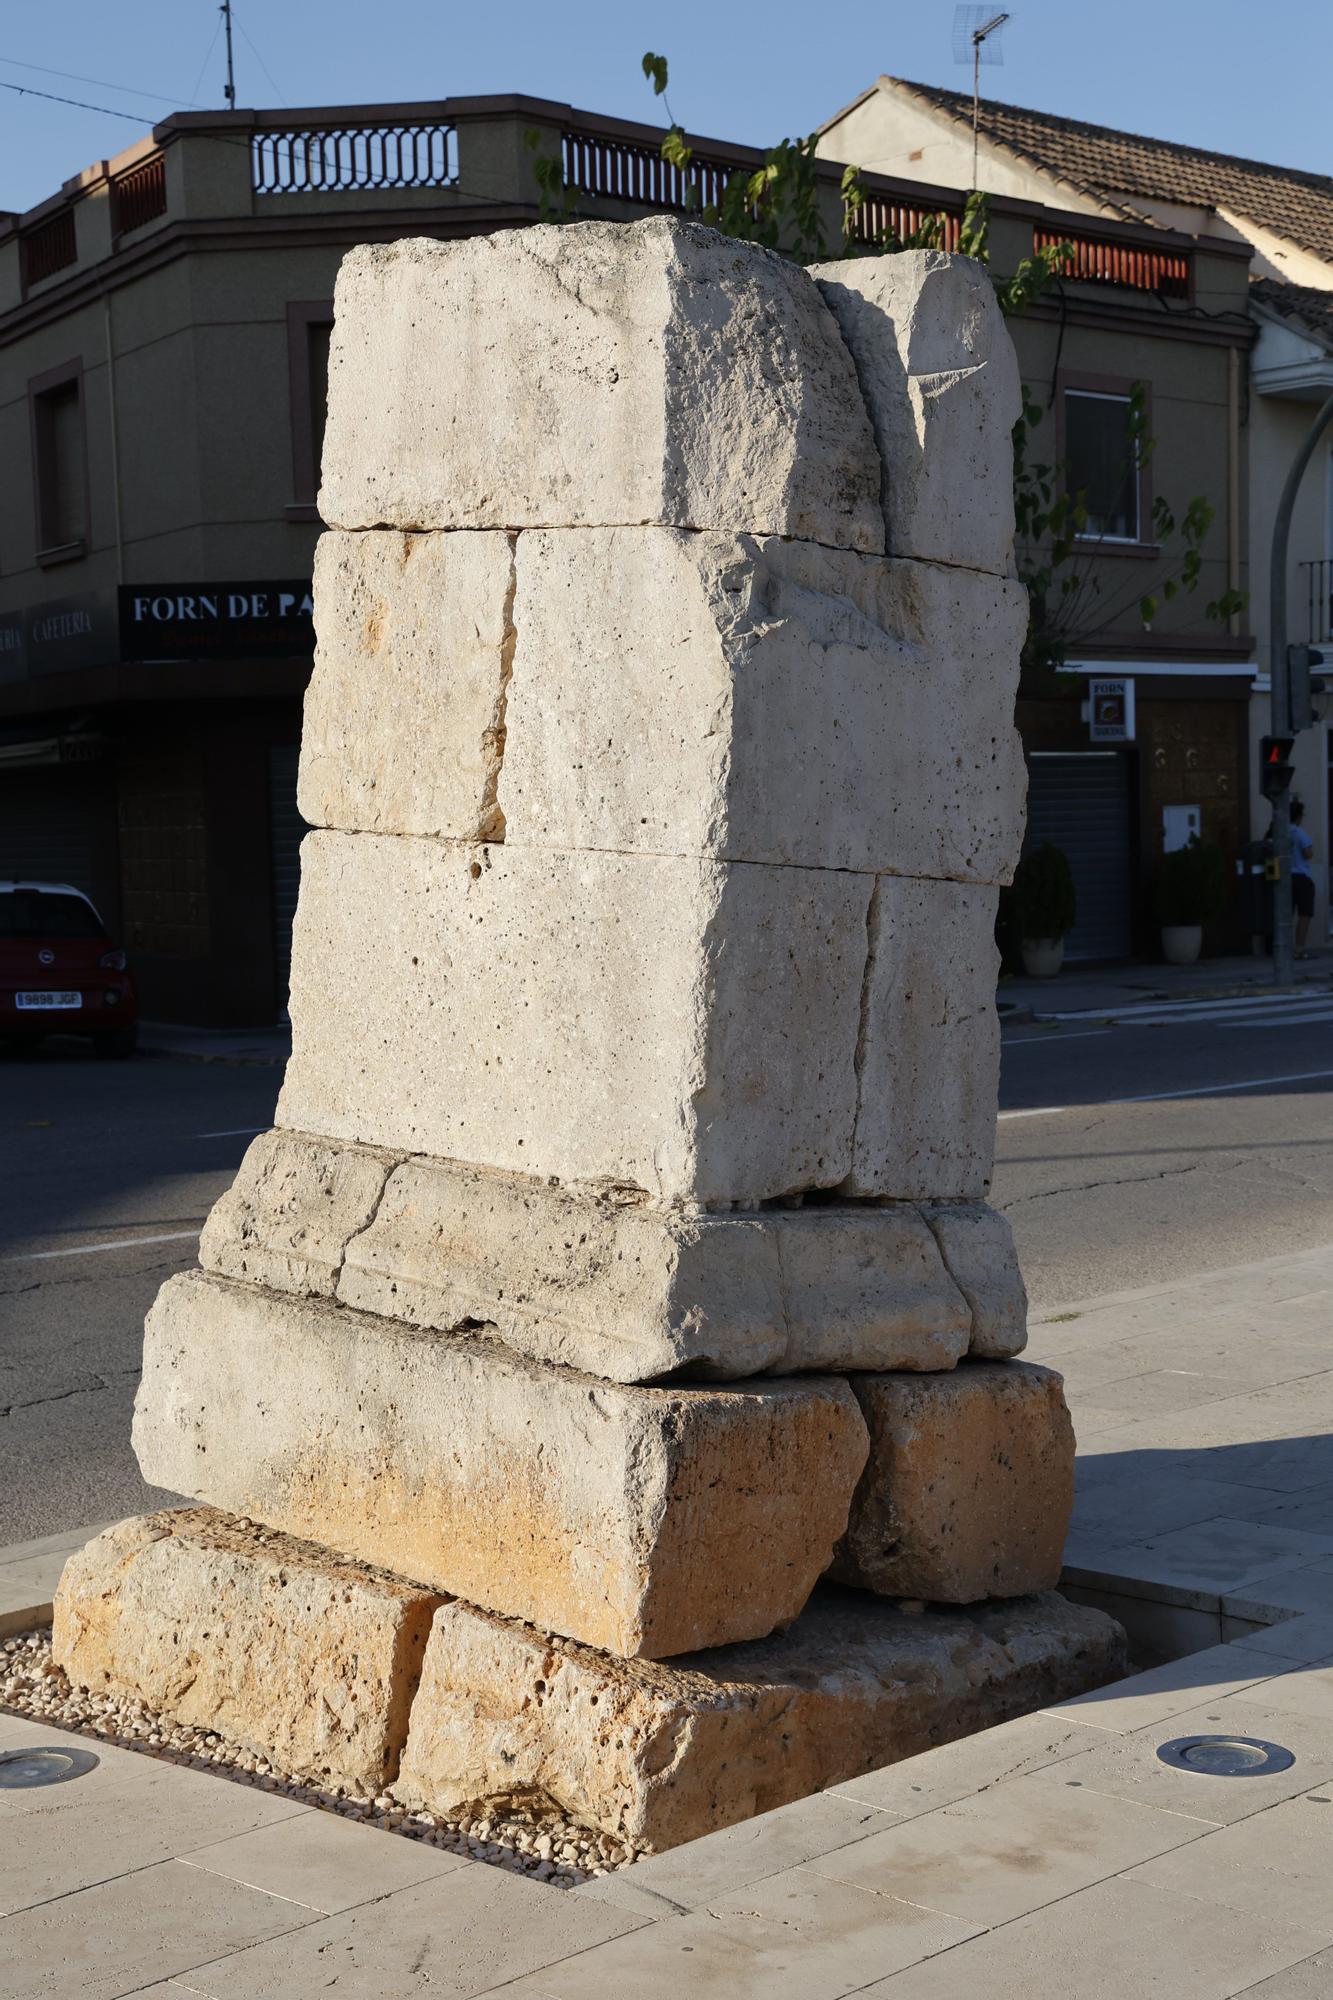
1191 886
1043 895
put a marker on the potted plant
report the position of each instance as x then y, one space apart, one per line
1044 908
1191 890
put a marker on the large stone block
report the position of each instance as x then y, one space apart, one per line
940 378
659 1754
762 700
405 713
300 1655
969 1486
682 1027
928 1064
977 1245
645 1521
590 375
616 1287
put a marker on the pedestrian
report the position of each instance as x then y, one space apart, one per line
1302 877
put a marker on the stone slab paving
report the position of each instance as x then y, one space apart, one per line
1053 1855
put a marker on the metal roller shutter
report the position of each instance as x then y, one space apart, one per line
287 829
1081 802
52 825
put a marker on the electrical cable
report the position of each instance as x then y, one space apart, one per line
103 83
260 60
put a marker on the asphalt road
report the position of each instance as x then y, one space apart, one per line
108 1170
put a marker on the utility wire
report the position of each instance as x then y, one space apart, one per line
73 76
208 57
262 64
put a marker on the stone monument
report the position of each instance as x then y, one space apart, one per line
620 1264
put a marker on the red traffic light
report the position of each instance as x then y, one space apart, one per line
1275 766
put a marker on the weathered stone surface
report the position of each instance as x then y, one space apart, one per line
762 700
663 1753
645 1521
618 1288
977 1245
683 1027
289 1215
940 378
298 1654
969 1486
405 713
929 1057
594 374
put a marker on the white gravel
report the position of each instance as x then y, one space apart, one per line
526 1835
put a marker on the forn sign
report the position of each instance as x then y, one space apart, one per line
1111 711
216 621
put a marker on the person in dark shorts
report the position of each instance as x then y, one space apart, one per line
1302 877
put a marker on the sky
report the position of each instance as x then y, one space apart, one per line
1240 76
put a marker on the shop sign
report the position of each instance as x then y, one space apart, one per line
250 620
1111 711
63 633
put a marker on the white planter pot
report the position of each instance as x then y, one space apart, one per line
1043 957
1181 943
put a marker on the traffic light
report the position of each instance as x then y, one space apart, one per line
1302 685
1275 766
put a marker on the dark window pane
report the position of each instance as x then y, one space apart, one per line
318 337
1099 464
37 913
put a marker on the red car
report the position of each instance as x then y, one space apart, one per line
60 973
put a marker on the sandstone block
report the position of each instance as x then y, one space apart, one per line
940 378
616 1287
287 1218
658 1753
646 1521
589 375
765 701
405 713
682 1027
977 1246
298 1654
929 1057
969 1486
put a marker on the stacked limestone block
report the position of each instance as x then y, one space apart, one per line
620 1261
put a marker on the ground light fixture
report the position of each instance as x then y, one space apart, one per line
1225 1756
20 1770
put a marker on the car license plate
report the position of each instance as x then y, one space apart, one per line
49 1002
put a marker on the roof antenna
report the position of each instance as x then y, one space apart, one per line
972 31
229 89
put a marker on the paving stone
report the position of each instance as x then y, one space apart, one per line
762 700
1169 1690
281 1646
593 374
649 1521
978 1763
968 1488
929 1050
660 1753
681 1027
404 723
940 377
1275 1867
324 1862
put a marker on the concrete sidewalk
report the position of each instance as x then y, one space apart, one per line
263 1047
1054 1856
1104 989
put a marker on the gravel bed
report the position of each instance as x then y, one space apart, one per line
526 1835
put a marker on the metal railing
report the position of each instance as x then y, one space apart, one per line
49 247
1100 260
1317 583
882 217
633 170
345 159
139 196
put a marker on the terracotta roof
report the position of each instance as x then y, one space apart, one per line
1306 307
1116 166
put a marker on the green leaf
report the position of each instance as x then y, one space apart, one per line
655 69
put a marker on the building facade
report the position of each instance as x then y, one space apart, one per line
164 325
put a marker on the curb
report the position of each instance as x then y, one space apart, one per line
29 1575
203 1056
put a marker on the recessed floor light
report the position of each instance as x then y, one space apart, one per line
1226 1756
20 1769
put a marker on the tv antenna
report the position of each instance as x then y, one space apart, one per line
229 88
973 29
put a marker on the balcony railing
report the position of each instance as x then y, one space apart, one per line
49 247
139 196
1100 260
633 170
347 159
1317 579
881 218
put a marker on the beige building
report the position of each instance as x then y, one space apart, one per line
164 321
1283 220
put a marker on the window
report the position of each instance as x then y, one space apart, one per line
59 463
1101 463
309 327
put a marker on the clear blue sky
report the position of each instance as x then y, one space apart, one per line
1243 76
